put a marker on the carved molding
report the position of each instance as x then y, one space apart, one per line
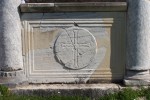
46 1
73 7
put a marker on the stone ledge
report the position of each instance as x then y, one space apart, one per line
68 86
47 1
73 7
129 82
90 90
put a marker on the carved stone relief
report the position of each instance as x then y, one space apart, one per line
75 48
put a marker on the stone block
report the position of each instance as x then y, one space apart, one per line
76 47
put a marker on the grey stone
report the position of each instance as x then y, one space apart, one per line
138 42
73 7
22 1
93 91
11 60
75 48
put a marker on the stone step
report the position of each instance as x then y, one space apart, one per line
89 90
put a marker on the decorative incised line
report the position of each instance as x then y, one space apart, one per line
75 47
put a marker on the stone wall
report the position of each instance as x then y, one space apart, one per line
74 42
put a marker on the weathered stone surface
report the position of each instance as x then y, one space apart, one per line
93 91
11 60
40 37
75 48
10 38
138 42
138 47
23 1
46 1
73 7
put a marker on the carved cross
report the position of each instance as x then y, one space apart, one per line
75 46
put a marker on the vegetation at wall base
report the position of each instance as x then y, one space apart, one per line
17 97
124 94
4 91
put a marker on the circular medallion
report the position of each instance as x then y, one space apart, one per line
75 48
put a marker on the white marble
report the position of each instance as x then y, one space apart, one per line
10 42
75 47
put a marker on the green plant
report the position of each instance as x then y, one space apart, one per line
109 97
146 93
125 94
4 90
128 94
21 97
